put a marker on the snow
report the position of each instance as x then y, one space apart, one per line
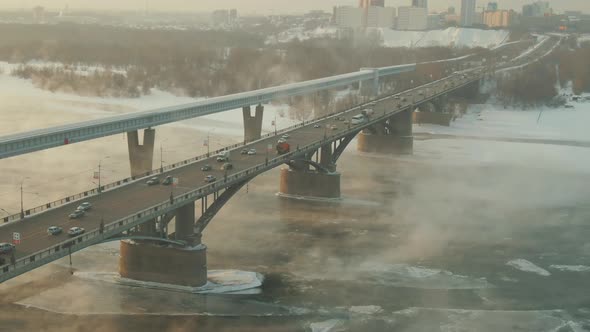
219 282
540 42
301 33
527 266
451 37
419 277
493 121
571 268
325 326
366 310
449 320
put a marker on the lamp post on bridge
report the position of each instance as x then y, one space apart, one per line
22 209
99 190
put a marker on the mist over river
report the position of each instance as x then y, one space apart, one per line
464 235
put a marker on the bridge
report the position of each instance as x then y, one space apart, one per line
130 209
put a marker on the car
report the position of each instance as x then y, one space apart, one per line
54 230
346 122
84 206
404 99
251 152
153 181
333 127
75 231
210 178
317 126
206 168
285 136
6 248
396 97
244 151
281 140
77 214
340 118
168 181
227 167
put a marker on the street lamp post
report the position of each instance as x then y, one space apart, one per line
99 190
22 209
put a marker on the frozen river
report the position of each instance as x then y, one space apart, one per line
465 235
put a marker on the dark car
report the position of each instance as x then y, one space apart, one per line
6 248
54 230
168 181
244 151
153 181
227 167
77 214
317 126
206 168
84 206
210 178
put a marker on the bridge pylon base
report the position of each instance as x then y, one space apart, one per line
309 184
163 264
385 144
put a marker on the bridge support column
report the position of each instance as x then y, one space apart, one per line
310 184
148 228
185 222
141 156
252 124
186 266
394 138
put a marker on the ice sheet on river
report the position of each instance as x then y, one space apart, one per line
447 320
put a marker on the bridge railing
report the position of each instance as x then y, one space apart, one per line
96 236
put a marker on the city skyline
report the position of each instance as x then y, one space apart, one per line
263 6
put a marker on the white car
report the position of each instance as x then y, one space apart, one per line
75 231
285 136
251 152
84 206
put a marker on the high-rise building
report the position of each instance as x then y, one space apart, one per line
537 9
233 16
354 17
220 17
412 18
467 12
498 18
371 3
348 17
420 3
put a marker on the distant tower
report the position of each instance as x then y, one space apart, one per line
420 3
467 12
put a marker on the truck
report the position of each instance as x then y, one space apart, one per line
283 147
223 156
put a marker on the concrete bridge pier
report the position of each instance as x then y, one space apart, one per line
164 263
252 124
394 136
314 179
141 156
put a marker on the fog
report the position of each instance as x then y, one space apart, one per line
261 6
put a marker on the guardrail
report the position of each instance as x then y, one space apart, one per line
90 238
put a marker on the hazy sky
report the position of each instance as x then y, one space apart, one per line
260 6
